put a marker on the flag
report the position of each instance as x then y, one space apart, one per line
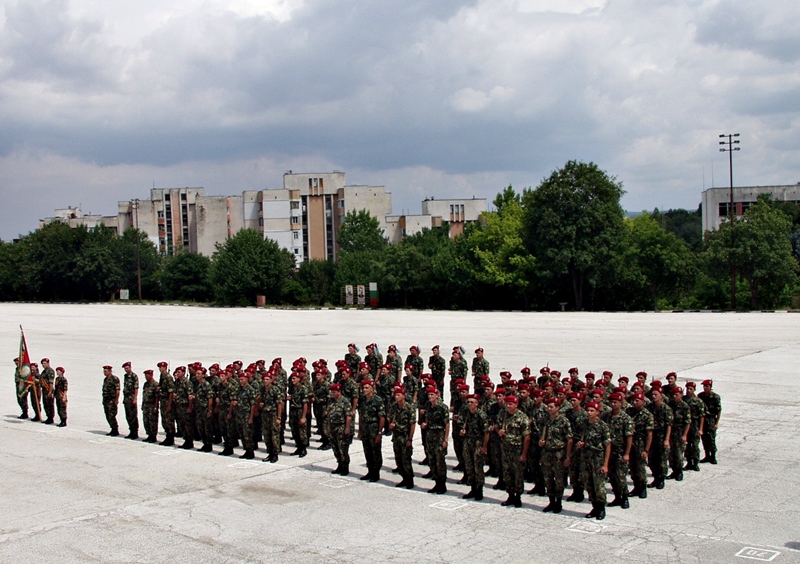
24 358
27 382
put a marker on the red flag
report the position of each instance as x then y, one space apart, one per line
24 359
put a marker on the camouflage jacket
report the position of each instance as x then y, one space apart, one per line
697 408
595 437
557 433
370 412
713 406
246 398
202 395
458 370
150 393
271 397
352 360
166 386
437 416
437 366
475 425
681 416
110 387
130 383
480 367
517 427
620 426
662 418
404 418
419 365
642 423
338 412
183 387
374 361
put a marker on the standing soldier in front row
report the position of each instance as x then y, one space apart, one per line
271 411
130 392
166 394
480 367
642 440
150 406
713 413
61 386
620 425
111 399
437 424
437 366
227 413
681 422
475 435
698 411
245 406
204 411
47 380
515 434
556 443
371 420
21 385
662 429
184 414
595 443
340 422
402 427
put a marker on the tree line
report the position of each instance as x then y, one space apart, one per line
566 242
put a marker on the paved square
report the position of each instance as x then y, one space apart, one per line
73 495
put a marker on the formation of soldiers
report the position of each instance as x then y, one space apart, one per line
546 430
46 389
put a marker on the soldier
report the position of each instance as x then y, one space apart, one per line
538 417
384 384
150 406
298 414
321 395
577 418
713 413
166 391
372 418
22 388
437 424
402 426
666 390
642 440
227 411
620 426
416 362
271 410
681 422
475 436
480 366
595 443
61 386
130 393
437 366
203 402
698 412
36 392
352 358
556 443
515 436
662 429
396 365
47 379
458 371
456 405
111 399
184 414
340 420
245 406
374 360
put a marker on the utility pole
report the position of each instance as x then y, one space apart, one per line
729 146
138 260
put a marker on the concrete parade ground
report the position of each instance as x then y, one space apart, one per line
75 495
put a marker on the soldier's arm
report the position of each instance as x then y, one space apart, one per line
668 433
702 424
279 411
648 442
526 443
685 433
446 434
607 455
348 422
628 442
485 445
411 432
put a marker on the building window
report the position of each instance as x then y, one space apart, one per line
296 235
261 222
295 219
295 205
341 204
183 197
160 214
166 197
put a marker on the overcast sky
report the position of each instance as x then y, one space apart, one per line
100 100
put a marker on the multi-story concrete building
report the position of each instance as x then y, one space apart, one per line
716 201
75 217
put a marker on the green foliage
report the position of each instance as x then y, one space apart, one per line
247 265
184 277
573 225
686 225
124 249
317 279
362 250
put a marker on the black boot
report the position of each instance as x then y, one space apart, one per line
37 418
49 421
679 476
689 465
428 475
509 501
540 490
227 451
517 500
616 502
660 484
376 475
654 483
625 504
463 480
479 493
435 488
410 483
424 461
395 470
169 441
672 475
303 452
459 467
23 415
557 506
248 455
187 445
593 512
500 485
637 489
401 484
470 494
713 459
706 458
344 472
549 507
334 471
63 423
643 493
577 495
601 511
442 487
206 448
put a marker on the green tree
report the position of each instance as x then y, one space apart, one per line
124 249
663 260
685 224
97 274
573 225
247 265
317 278
362 249
184 277
49 263
11 261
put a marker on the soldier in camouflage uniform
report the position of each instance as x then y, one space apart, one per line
437 424
475 436
245 406
298 414
204 411
22 389
556 443
681 423
352 358
340 421
61 386
402 426
538 417
166 394
480 366
47 379
150 406
271 410
437 366
216 389
698 411
374 359
515 434
416 362
620 426
577 418
183 407
396 365
130 393
384 384
642 420
662 429
713 412
321 394
456 405
111 399
595 442
371 419
227 412
458 371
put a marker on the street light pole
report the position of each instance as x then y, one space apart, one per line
729 146
138 260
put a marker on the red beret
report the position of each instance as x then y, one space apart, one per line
392 348
574 395
277 360
409 367
691 385
537 393
708 382
61 369
672 374
414 348
616 396
555 373
505 373
148 371
367 383
525 370
573 370
462 387
677 390
655 384
336 387
548 401
641 373
607 373
371 346
544 370
593 405
500 391
214 366
565 380
547 385
162 364
458 381
435 347
638 395
476 397
512 399
524 387
431 390
598 392
561 390
48 360
479 349
352 345
487 384
623 379
107 367
484 378
589 375
363 365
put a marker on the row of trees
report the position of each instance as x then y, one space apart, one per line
565 242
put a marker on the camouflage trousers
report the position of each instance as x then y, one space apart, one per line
322 424
402 455
638 464
709 438
618 472
676 449
372 448
436 453
299 432
227 423
22 401
458 444
245 431
659 457
61 407
131 416
474 461
553 471
340 444
593 479
183 421
534 465
110 408
150 419
693 442
575 470
49 405
495 453
204 424
168 419
270 431
513 468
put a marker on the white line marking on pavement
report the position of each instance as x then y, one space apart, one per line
335 483
165 452
586 527
244 464
758 554
448 505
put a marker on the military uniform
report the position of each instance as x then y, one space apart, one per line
204 415
577 422
595 437
621 428
697 409
110 391
183 413
272 398
150 409
643 424
338 412
659 456
321 395
437 418
130 385
517 427
227 415
61 387
458 370
417 365
681 417
713 410
404 419
245 400
371 411
374 361
475 426
298 399
166 390
480 367
437 366
47 379
538 417
557 433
